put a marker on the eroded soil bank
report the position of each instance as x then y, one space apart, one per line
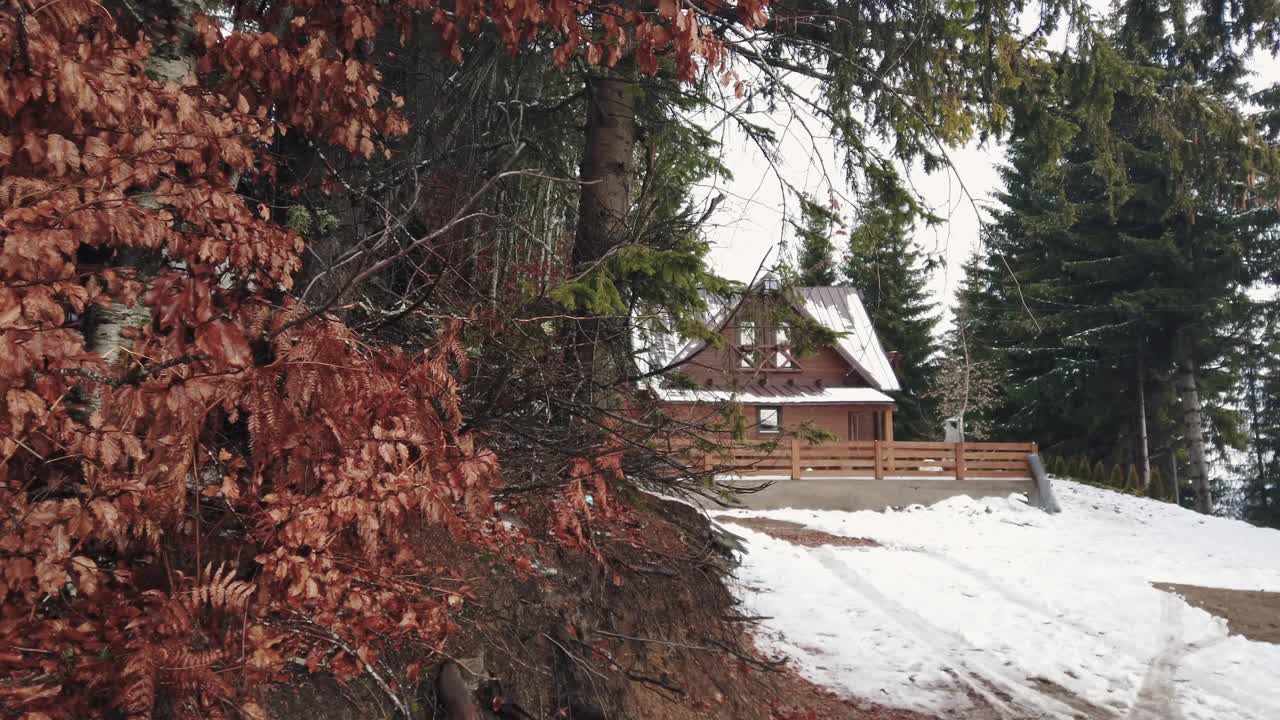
638 624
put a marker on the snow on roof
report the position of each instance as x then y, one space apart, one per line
777 393
840 309
836 308
654 350
657 350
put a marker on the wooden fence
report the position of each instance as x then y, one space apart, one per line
880 459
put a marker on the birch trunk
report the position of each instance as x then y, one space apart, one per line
1145 448
170 62
1193 426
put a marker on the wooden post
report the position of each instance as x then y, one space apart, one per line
887 431
795 458
1044 490
959 461
879 470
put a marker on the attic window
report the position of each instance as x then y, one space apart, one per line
746 343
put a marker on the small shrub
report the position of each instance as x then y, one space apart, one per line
1098 474
1115 478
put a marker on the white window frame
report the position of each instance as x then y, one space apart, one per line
777 418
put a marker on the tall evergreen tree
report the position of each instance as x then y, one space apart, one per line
1128 260
883 263
962 75
1255 477
815 264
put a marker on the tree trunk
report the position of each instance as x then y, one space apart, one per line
1192 419
606 194
1144 449
606 168
454 695
171 61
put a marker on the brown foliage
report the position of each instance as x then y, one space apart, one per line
301 443
229 484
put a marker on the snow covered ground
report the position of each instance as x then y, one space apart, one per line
989 608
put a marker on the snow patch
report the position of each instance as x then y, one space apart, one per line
1034 615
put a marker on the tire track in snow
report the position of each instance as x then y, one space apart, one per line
1012 698
1002 589
1083 706
1156 698
1016 597
1175 649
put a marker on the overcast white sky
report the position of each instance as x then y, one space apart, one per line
752 221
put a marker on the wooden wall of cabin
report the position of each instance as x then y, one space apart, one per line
845 422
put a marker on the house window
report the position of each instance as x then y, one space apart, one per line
769 419
746 343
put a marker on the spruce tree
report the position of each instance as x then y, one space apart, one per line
1104 302
884 265
1257 475
815 265
1124 263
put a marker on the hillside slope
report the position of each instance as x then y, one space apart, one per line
1025 614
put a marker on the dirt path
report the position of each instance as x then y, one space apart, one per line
795 533
1253 614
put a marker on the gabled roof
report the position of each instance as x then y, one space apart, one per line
836 308
840 309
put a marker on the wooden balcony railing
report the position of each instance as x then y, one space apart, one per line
879 459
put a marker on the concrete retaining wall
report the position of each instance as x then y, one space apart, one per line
869 494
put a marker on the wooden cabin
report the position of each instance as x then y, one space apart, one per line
841 389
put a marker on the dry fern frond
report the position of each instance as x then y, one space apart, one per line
172 619
137 695
449 345
15 191
221 592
